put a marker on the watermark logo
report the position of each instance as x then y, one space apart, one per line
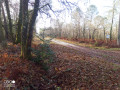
9 83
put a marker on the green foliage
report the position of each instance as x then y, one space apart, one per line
58 88
43 55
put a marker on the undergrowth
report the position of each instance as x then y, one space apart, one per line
43 54
3 45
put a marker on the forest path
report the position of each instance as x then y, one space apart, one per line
110 56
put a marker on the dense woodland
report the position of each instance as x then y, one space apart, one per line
63 55
89 26
18 28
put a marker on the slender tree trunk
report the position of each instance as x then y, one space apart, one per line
104 33
76 32
31 27
116 31
93 34
18 34
24 29
84 30
89 36
111 25
9 18
1 30
118 39
5 23
79 30
73 34
60 32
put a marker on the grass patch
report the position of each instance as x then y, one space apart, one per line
90 45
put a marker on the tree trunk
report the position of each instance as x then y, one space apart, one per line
93 34
118 39
10 21
111 25
18 34
5 23
89 35
1 30
79 30
79 33
24 29
104 33
31 27
84 30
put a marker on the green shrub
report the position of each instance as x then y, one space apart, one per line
43 55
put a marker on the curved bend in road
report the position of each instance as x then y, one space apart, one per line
111 56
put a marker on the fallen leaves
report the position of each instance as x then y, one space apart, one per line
24 72
76 70
71 69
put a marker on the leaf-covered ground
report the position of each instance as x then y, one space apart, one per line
71 69
27 74
76 70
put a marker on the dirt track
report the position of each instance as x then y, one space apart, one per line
110 56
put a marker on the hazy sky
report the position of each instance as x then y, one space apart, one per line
102 6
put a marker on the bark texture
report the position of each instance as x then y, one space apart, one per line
1 30
118 40
31 27
10 21
24 29
5 24
18 34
